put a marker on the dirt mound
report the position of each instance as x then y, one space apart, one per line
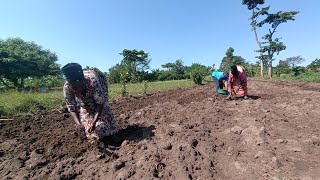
178 134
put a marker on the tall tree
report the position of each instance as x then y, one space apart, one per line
273 45
135 61
20 60
257 13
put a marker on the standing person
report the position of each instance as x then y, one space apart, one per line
88 89
220 80
237 82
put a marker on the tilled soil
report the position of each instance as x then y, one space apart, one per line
179 134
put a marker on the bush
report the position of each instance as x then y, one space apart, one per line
198 72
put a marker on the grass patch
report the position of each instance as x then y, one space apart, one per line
307 77
138 88
16 103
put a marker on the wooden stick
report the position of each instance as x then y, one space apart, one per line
6 119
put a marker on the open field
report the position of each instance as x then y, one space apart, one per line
178 134
16 103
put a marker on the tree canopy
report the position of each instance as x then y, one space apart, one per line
20 60
230 60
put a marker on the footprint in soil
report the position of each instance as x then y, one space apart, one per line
131 133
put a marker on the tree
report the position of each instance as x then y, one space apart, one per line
252 5
314 65
273 45
114 75
270 45
20 60
177 68
230 60
134 62
294 61
198 72
283 64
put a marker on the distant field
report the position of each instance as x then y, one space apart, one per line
16 103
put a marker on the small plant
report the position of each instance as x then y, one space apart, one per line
145 87
124 89
124 79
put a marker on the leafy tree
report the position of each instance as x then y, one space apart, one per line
257 13
230 60
273 45
114 75
198 72
294 61
134 62
270 45
296 71
282 68
47 81
166 75
283 64
314 65
177 68
20 60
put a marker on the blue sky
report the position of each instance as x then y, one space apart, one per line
95 32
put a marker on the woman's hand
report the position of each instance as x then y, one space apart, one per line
93 123
92 128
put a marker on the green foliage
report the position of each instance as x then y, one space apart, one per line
288 66
252 70
270 45
314 65
167 75
135 62
198 72
303 76
46 81
294 61
145 87
177 69
15 103
124 89
114 75
20 60
273 45
296 71
230 60
257 13
252 4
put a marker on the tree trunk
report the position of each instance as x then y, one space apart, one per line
21 83
261 67
270 66
259 44
15 83
260 47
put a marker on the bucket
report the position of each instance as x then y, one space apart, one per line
223 91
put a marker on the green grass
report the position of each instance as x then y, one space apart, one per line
17 103
137 88
307 77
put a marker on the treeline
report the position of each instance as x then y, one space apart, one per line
134 67
27 65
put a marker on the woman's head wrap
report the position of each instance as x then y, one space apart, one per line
73 72
234 70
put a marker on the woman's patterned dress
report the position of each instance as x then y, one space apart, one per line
96 92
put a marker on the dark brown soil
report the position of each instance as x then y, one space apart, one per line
179 134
